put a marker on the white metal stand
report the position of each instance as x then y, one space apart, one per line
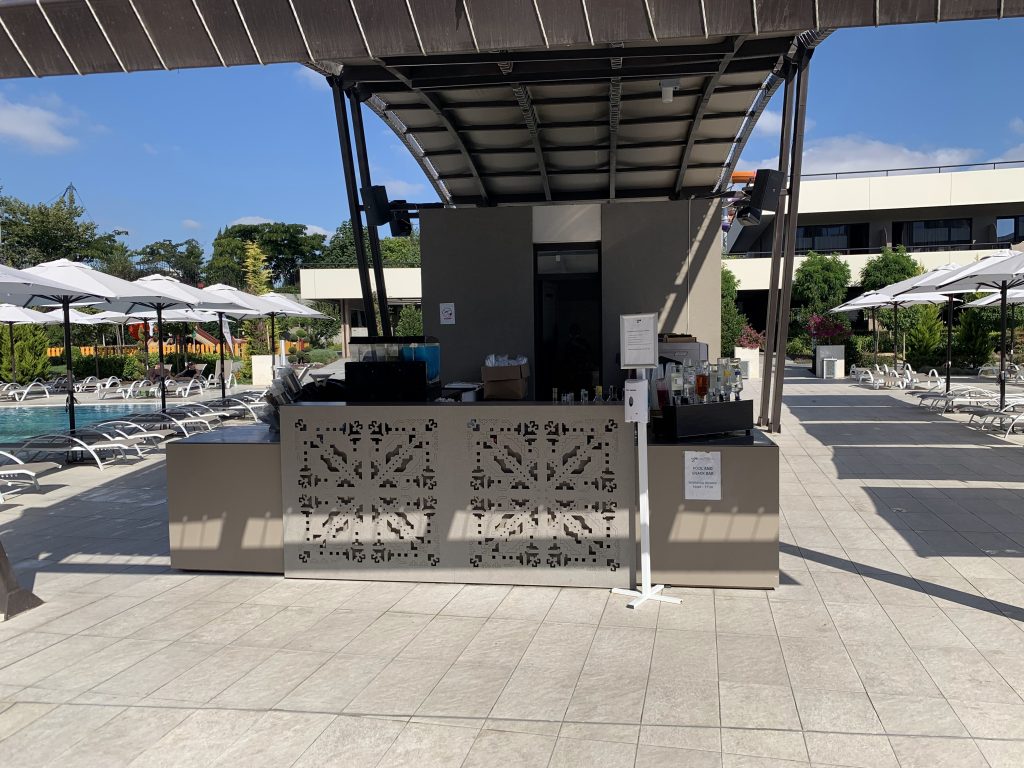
647 591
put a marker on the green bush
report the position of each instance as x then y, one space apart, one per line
924 338
973 344
323 356
733 321
798 347
859 350
133 369
410 321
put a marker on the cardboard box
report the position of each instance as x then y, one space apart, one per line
505 382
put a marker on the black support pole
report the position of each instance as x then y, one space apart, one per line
69 361
778 239
895 334
1002 345
160 352
874 323
14 363
796 164
273 344
949 340
345 140
364 176
220 326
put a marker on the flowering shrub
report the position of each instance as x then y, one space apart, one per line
827 329
750 339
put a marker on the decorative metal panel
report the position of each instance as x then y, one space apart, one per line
528 494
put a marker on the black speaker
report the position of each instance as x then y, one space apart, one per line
375 199
401 223
764 195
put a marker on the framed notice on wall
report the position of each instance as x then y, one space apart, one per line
702 475
638 341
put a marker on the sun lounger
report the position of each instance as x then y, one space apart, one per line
83 442
23 473
19 394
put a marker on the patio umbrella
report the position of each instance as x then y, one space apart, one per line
15 315
927 282
876 299
999 272
245 305
92 284
289 308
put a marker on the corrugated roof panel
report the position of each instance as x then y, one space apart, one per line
330 28
564 22
701 177
1013 8
34 37
676 18
388 27
906 11
730 17
615 21
11 63
511 115
519 185
848 13
977 9
444 27
178 33
709 153
84 40
791 16
226 27
274 30
580 182
126 33
505 24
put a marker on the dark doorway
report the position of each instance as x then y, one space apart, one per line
567 319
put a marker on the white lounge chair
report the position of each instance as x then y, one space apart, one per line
34 388
23 473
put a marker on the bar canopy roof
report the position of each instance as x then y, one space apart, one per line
500 101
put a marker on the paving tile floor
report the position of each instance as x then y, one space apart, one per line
896 637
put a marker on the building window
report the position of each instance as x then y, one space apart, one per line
831 238
1009 229
932 234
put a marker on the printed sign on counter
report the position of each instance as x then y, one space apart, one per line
447 313
703 475
638 341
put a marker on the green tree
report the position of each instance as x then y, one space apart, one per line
289 247
733 321
227 263
340 251
183 261
30 345
321 333
888 267
117 261
401 251
257 281
820 283
924 336
410 321
38 232
972 341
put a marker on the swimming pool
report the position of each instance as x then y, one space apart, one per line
21 423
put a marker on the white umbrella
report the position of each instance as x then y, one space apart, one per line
289 308
246 305
999 272
117 293
15 315
1014 296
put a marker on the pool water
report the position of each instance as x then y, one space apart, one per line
21 423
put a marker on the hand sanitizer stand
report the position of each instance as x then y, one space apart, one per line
639 349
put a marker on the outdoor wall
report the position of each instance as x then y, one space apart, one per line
481 259
661 257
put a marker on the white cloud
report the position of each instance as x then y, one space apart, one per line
839 154
39 128
768 124
310 78
1013 154
313 229
190 224
1017 125
251 220
400 189
149 149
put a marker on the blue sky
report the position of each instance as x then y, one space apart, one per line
180 154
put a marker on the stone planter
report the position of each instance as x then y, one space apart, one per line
750 362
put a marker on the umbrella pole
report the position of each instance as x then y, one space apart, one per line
14 363
68 361
273 345
96 352
1002 346
874 322
895 335
220 325
160 351
949 340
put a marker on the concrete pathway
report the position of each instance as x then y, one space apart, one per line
896 638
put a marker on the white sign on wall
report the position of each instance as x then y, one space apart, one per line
702 475
447 313
638 341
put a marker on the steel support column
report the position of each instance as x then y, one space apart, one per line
69 362
348 164
778 239
1002 345
796 164
364 176
949 340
